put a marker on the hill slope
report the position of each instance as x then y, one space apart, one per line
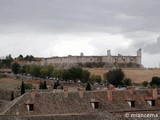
137 75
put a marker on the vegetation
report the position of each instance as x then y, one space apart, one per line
96 78
22 88
127 82
56 84
115 77
94 65
145 83
155 81
6 63
15 68
12 95
88 87
28 58
42 85
28 86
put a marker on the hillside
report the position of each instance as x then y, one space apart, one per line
137 75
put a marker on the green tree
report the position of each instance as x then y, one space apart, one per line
46 71
155 81
12 95
88 87
28 85
22 88
44 85
145 83
9 60
127 82
75 73
15 68
56 84
35 70
114 77
41 85
29 58
58 73
96 78
85 76
20 57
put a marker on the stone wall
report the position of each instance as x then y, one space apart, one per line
109 60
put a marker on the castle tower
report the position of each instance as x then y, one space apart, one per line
139 52
139 56
108 52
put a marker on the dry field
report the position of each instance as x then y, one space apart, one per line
137 75
13 83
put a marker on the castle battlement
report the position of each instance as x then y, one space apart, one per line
107 61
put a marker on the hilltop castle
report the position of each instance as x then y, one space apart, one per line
95 61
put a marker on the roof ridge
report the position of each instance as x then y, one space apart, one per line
12 103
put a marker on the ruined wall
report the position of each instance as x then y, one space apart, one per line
108 59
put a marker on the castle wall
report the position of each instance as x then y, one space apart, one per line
94 59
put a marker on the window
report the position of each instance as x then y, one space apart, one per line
131 103
30 107
151 102
96 105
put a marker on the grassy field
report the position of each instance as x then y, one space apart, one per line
137 75
13 83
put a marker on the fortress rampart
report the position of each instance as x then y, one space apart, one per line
106 61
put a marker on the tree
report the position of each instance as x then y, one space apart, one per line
35 70
29 58
145 83
44 85
88 87
28 85
115 77
58 73
56 84
20 57
15 68
46 71
12 95
127 82
41 85
22 88
85 76
8 61
96 78
75 73
155 81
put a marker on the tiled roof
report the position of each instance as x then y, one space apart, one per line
74 103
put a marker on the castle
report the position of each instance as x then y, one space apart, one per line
92 61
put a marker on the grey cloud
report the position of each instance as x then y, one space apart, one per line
153 48
81 16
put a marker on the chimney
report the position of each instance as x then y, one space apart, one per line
65 91
33 93
153 92
81 91
131 89
111 88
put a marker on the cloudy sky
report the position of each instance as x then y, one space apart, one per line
47 28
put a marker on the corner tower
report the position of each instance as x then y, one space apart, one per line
139 56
